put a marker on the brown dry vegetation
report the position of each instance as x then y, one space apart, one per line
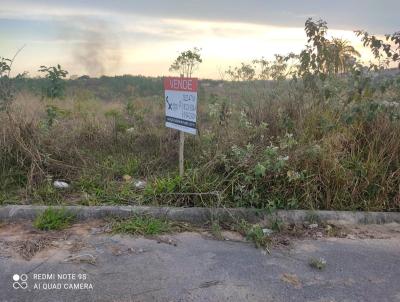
260 144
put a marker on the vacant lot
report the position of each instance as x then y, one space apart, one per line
266 145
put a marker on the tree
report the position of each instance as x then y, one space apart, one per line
245 72
343 55
6 91
55 85
262 69
316 52
390 48
187 62
265 69
6 86
278 67
322 56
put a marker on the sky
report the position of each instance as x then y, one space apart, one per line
143 37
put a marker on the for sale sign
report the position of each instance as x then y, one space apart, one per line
181 103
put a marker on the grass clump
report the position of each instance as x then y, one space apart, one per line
143 225
255 234
47 194
54 219
216 230
318 263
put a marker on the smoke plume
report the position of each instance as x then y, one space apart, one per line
96 48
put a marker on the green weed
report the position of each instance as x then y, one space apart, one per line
54 219
47 194
255 234
216 230
318 263
143 225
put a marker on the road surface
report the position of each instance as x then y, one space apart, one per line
83 264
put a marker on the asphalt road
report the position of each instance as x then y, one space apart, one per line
194 267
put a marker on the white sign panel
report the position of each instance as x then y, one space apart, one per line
181 104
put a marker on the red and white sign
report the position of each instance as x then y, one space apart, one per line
180 84
181 103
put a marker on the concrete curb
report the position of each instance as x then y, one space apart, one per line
204 215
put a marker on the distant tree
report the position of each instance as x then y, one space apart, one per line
55 85
262 69
390 48
84 77
265 69
245 72
22 76
279 67
187 62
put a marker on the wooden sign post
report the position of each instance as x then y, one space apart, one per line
181 152
181 109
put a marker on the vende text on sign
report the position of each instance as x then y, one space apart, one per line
181 103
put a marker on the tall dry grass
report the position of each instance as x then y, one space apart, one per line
273 145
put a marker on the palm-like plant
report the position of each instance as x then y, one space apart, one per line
343 53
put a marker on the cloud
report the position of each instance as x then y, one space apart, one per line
96 37
375 16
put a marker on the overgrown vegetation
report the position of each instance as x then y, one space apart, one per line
54 219
314 130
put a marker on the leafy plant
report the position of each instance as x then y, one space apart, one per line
55 85
255 234
52 114
119 123
391 48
